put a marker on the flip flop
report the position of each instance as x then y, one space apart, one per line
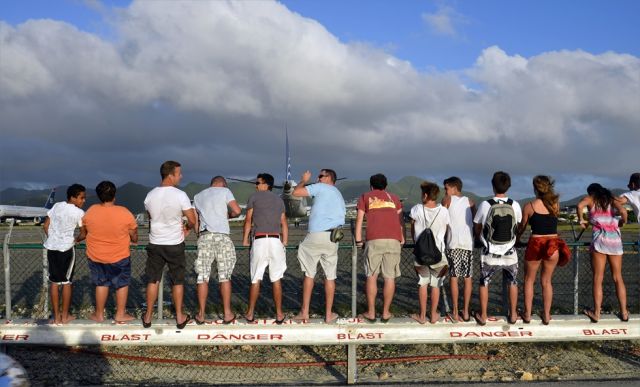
334 319
145 324
452 317
510 321
619 314
279 322
478 318
544 321
250 320
367 319
226 322
463 319
385 320
524 320
184 323
198 322
591 314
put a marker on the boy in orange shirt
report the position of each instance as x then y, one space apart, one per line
109 230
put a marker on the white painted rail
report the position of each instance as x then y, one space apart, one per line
346 331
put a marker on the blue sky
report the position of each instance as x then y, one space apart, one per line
528 86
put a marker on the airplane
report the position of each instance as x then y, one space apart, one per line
37 214
296 208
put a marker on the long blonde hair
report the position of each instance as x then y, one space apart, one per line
543 187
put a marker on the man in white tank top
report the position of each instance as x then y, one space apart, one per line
633 196
460 245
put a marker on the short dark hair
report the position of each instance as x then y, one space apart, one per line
106 191
454 181
331 173
501 182
74 190
219 179
168 167
634 179
378 181
267 178
430 189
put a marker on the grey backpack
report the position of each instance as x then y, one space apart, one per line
500 226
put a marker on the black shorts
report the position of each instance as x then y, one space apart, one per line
172 255
61 265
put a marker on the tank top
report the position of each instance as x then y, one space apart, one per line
461 223
543 224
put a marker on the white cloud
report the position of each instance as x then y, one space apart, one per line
213 84
444 21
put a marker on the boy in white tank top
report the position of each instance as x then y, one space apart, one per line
460 245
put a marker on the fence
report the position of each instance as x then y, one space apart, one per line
25 287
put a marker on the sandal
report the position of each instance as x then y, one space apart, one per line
367 319
524 320
591 314
184 323
227 322
623 319
199 322
544 320
478 317
465 319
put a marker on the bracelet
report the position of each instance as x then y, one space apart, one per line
359 242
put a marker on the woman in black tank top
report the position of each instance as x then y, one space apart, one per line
545 249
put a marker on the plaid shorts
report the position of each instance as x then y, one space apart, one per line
215 247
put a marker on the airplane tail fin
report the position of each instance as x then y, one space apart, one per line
287 157
51 199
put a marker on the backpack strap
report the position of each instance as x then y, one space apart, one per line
510 202
492 202
432 220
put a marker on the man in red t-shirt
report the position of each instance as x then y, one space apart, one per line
385 237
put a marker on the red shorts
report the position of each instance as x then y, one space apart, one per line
540 248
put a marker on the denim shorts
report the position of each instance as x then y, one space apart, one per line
115 275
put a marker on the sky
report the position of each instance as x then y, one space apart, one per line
108 90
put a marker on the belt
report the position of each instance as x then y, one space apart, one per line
266 236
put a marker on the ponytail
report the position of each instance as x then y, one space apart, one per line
543 187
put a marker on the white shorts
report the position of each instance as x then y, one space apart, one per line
267 252
428 276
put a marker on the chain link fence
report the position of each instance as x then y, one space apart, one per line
312 364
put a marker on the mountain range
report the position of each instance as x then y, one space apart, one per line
131 195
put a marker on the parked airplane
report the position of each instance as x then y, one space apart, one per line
29 213
296 208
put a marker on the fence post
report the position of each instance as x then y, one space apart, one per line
45 283
576 275
160 297
7 272
352 364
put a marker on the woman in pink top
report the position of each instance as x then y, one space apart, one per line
606 245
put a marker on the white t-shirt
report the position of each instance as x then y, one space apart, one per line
440 218
63 219
633 197
505 254
461 223
165 206
211 205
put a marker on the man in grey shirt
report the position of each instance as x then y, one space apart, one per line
265 212
214 206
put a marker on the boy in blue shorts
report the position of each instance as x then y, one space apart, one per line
59 227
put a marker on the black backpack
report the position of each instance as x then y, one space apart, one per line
425 249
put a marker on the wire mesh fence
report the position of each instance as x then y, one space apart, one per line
88 365
29 285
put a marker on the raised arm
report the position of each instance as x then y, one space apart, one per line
585 202
300 190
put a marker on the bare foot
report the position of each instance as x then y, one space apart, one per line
68 319
332 318
93 316
301 317
434 318
421 320
124 318
55 321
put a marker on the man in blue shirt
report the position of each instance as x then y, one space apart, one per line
327 213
